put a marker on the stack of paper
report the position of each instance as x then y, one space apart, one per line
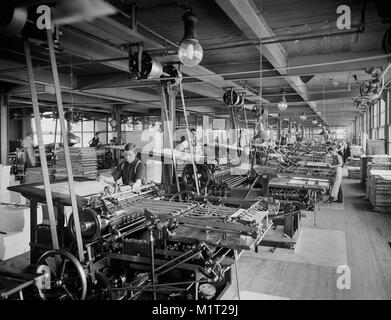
83 162
379 190
33 175
354 172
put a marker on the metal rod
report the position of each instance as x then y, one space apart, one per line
42 152
20 287
179 263
66 146
190 142
152 247
170 137
237 274
183 255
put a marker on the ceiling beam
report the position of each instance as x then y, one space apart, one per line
340 62
84 47
243 13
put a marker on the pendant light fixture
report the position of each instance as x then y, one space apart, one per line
190 52
303 117
282 105
314 122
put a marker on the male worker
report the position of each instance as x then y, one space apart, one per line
132 169
95 142
28 147
337 164
182 147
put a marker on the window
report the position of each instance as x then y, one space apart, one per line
381 134
48 127
382 114
375 123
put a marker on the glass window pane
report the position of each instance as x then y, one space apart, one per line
88 126
76 126
381 133
87 136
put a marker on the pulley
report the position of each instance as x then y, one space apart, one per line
90 225
231 98
64 280
143 66
204 176
169 71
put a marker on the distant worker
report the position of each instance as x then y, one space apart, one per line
28 147
337 164
95 142
132 169
283 139
182 147
324 134
299 137
114 141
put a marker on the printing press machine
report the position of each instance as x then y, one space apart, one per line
136 245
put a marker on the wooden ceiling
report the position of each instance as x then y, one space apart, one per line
94 66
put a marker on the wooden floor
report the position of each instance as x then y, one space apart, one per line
291 275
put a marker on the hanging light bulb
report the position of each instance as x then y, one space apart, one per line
113 123
314 122
303 117
190 52
282 105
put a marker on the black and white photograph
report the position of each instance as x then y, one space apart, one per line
194 154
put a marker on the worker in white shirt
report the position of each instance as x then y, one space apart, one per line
337 164
182 147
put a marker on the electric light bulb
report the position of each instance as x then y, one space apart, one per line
282 105
190 52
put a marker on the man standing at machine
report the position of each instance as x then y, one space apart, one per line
337 164
132 169
28 147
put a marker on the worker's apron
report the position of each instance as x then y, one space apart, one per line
337 183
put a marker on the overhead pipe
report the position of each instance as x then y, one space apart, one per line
378 57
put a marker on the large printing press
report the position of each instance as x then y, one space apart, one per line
148 244
137 244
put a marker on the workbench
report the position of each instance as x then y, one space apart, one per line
35 193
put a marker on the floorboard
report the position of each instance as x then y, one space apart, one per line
360 234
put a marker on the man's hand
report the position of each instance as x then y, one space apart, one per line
137 184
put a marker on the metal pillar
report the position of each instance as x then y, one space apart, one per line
4 127
168 168
66 146
189 137
42 153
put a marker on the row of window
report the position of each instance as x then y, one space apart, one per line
374 123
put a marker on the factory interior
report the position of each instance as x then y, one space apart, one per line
195 150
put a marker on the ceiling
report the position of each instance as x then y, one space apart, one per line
94 72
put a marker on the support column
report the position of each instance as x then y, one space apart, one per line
167 105
387 123
171 100
118 111
4 127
